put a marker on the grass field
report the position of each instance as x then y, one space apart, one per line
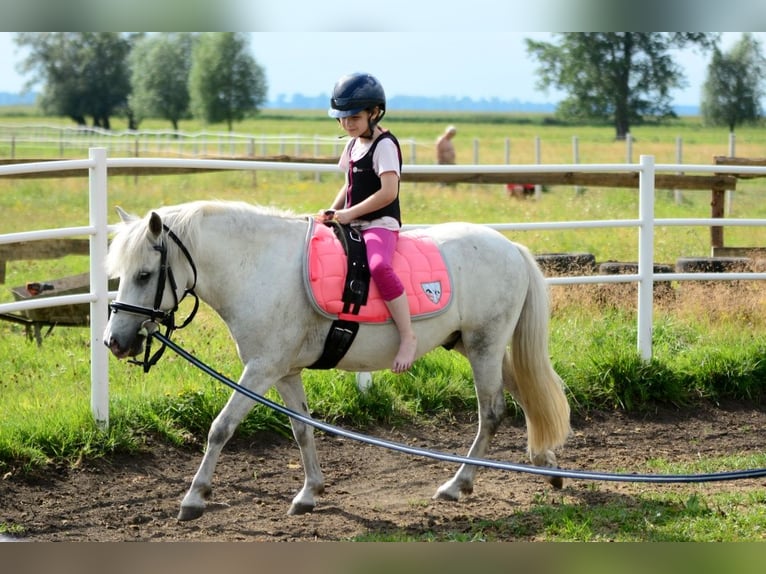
709 340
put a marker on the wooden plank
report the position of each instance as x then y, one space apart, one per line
752 252
741 161
139 171
624 180
42 249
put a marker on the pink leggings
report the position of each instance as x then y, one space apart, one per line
381 244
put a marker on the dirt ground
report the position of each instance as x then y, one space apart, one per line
368 489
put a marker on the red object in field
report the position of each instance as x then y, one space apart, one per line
520 189
37 288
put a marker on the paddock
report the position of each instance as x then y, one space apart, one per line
645 175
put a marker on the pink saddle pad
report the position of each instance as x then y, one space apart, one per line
417 261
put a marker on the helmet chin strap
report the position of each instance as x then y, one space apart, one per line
372 123
370 131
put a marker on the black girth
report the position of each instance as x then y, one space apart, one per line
357 286
355 291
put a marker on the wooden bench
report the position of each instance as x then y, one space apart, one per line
75 315
64 315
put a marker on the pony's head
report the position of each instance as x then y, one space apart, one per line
148 258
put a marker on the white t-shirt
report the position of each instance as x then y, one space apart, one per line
385 158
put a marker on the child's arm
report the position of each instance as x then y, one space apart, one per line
389 184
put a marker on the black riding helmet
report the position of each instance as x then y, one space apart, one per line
354 93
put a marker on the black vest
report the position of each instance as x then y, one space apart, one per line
363 181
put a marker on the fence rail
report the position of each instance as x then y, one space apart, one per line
16 140
97 167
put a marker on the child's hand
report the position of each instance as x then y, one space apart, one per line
325 215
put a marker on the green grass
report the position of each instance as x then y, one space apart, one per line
647 517
709 341
46 390
700 513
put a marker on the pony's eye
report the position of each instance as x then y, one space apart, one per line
143 276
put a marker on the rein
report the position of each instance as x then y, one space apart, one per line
157 316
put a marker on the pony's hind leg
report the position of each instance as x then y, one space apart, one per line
538 455
221 430
292 393
492 411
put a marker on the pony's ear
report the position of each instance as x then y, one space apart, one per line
125 217
155 224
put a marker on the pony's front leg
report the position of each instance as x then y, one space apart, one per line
292 393
221 430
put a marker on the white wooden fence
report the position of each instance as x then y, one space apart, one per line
98 164
18 139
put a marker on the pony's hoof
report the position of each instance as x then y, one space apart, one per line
300 508
190 513
448 496
556 482
450 492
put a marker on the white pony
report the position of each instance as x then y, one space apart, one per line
245 262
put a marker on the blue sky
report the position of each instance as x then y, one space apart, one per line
487 64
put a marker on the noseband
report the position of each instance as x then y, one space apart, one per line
155 314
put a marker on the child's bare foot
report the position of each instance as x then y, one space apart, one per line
406 355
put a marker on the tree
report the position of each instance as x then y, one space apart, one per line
82 73
159 78
618 76
225 81
733 89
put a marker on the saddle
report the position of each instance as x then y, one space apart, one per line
338 282
417 262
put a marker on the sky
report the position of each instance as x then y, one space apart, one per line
425 48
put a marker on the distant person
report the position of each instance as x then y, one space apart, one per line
445 149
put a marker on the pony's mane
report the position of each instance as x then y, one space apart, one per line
184 219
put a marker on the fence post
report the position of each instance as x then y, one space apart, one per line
576 159
646 186
136 148
538 158
99 288
628 148
729 192
677 195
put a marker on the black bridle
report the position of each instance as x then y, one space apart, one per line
157 316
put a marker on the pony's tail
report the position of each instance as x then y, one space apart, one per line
528 373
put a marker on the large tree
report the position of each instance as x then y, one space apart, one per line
734 86
159 78
618 76
225 81
82 73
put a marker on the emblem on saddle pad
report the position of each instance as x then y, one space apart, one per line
433 291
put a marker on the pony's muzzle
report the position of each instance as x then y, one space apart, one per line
123 349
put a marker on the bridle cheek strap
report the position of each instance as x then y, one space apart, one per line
155 315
